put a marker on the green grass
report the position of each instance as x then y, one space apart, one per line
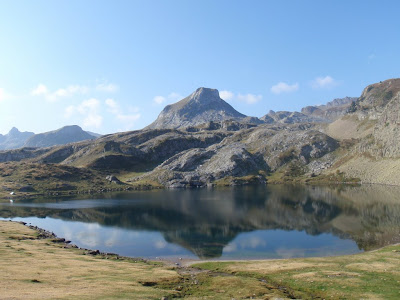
370 275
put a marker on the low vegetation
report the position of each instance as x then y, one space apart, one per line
370 275
41 267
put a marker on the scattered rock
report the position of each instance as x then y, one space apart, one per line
113 179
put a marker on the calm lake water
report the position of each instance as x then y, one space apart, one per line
232 223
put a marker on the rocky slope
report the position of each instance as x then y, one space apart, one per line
245 156
239 151
289 117
202 106
332 111
371 132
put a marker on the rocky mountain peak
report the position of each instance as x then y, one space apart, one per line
205 95
14 131
14 139
202 106
70 129
64 135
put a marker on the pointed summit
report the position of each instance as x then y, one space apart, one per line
14 139
14 131
204 95
202 106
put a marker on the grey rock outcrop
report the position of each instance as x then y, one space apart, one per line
331 111
379 105
113 179
248 153
287 117
20 154
199 167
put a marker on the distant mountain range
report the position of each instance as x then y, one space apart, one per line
201 107
14 139
331 111
205 105
202 141
65 135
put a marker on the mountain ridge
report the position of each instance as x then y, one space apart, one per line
64 135
360 146
202 106
14 139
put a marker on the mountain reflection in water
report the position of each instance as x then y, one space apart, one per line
245 222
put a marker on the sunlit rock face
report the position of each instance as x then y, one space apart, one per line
202 106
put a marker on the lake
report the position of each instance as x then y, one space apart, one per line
253 222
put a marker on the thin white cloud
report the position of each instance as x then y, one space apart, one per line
69 111
249 98
283 87
113 106
226 95
89 110
2 94
171 98
174 96
371 57
107 87
324 82
127 119
71 90
41 89
159 99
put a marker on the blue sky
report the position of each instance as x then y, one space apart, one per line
112 66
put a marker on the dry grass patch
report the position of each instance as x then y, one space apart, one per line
37 269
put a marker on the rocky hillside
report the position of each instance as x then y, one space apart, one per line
14 139
62 136
371 131
332 111
288 117
362 144
202 106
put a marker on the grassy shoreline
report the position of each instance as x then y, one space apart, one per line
40 266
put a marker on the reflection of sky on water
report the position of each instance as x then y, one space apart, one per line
76 204
233 223
287 244
151 244
111 239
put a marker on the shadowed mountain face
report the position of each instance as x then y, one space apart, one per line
202 106
65 135
206 221
62 136
14 139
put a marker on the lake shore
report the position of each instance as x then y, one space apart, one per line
37 265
